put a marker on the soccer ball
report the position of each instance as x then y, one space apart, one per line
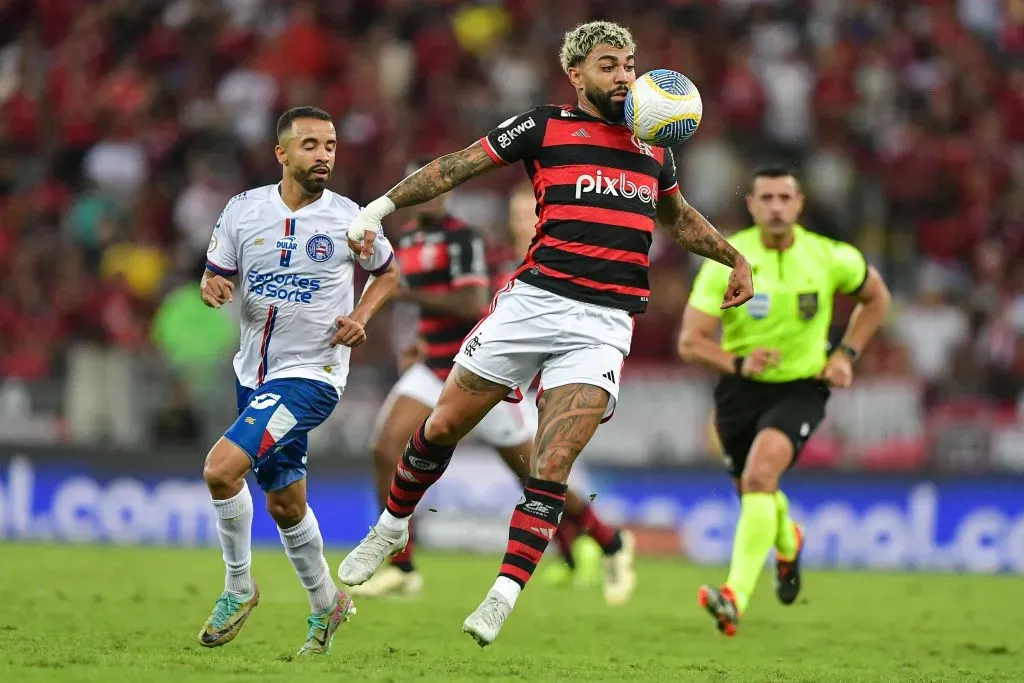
663 107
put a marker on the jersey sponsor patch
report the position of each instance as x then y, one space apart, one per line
759 306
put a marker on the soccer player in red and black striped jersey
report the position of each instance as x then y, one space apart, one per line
567 314
445 275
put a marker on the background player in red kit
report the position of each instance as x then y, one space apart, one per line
445 275
567 314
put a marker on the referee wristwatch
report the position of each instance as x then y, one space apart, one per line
848 350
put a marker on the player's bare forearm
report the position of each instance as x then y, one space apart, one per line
698 345
690 229
442 175
465 303
867 317
377 292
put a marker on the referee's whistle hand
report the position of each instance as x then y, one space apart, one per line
741 286
759 360
838 372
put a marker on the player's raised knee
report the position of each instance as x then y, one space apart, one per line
225 466
769 457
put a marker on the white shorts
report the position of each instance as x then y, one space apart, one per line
530 330
505 426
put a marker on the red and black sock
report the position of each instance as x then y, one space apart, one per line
566 534
421 465
532 527
606 536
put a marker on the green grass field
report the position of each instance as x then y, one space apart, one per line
115 614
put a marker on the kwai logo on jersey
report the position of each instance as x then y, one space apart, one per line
283 286
616 187
506 138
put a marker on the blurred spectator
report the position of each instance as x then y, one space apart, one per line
130 124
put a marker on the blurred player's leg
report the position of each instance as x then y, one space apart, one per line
304 545
396 425
756 531
569 416
789 544
224 472
465 400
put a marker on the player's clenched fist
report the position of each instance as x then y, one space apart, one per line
216 291
351 333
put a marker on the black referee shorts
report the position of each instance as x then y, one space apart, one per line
744 407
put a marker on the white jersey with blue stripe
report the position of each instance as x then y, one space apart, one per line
296 275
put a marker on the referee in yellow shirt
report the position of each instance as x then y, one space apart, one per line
776 371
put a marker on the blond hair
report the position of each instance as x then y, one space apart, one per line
579 41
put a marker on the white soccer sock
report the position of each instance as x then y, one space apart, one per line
304 546
508 589
393 526
234 526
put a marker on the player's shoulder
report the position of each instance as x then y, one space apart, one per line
747 238
822 244
538 114
341 205
456 227
248 202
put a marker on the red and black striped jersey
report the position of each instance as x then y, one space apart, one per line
597 188
441 256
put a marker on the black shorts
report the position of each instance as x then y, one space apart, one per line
744 407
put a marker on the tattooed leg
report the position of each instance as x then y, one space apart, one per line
569 416
465 400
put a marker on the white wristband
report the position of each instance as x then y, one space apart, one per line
378 208
370 217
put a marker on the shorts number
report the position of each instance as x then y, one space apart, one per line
261 401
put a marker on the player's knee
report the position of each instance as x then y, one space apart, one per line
553 464
386 452
225 467
443 427
286 513
769 457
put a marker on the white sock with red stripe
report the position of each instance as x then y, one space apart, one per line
304 547
234 526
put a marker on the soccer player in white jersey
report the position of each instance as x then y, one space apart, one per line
285 246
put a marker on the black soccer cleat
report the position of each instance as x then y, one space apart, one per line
787 573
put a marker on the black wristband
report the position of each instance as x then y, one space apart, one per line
849 351
737 365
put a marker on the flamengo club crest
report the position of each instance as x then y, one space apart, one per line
642 146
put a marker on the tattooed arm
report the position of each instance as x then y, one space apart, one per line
441 175
690 229
433 180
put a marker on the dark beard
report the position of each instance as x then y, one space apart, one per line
602 101
310 183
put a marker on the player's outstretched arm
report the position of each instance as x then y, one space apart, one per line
441 175
352 328
433 180
690 229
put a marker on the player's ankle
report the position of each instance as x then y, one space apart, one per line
406 567
614 545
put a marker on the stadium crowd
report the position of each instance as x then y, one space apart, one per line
127 124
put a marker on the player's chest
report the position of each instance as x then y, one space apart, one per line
786 289
293 244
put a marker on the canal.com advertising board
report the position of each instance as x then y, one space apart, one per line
962 524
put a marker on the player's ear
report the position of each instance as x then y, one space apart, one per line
575 77
799 202
282 156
